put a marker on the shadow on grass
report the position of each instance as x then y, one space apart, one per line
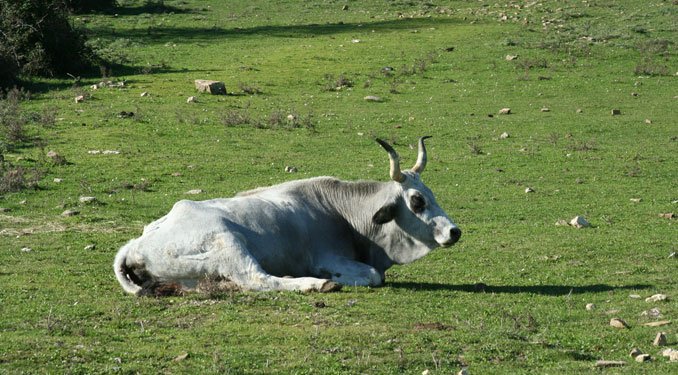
546 290
206 34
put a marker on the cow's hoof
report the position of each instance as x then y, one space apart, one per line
330 286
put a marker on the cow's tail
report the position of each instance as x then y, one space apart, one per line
126 277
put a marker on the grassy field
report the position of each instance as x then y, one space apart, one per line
509 298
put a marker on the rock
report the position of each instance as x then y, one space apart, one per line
143 94
58 180
94 152
69 213
94 87
545 109
579 110
426 372
463 371
669 215
191 99
505 111
529 190
110 152
345 7
634 94
504 135
511 57
653 312
373 98
87 200
643 358
658 323
290 169
618 323
672 255
579 222
656 298
636 200
635 296
26 249
603 363
648 121
660 339
671 353
590 306
79 98
90 247
56 158
291 118
181 357
635 352
195 192
616 112
212 87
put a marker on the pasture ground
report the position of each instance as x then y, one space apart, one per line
509 298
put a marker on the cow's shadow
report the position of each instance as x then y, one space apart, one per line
546 290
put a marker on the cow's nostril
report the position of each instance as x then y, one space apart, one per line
455 234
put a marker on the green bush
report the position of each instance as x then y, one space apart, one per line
36 38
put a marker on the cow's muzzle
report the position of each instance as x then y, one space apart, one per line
455 235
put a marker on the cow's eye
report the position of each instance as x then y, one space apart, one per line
418 203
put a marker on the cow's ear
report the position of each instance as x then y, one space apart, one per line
385 214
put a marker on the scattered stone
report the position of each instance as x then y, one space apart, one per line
643 358
671 353
668 215
426 372
672 255
635 296
69 213
87 200
505 111
373 98
94 87
94 152
191 99
590 306
529 190
653 312
618 323
291 118
110 152
79 98
634 94
616 112
56 158
603 363
648 121
58 180
504 135
579 110
345 7
90 247
545 109
656 298
143 94
657 323
290 169
181 357
511 57
26 249
579 222
212 87
635 352
463 371
660 339
636 200
195 192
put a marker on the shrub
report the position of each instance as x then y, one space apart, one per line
36 38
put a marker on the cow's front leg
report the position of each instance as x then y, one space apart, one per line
349 272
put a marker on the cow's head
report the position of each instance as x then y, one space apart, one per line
414 209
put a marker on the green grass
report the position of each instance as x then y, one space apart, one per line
61 310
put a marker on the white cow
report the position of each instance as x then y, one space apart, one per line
306 235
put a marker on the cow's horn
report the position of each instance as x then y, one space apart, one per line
420 165
394 159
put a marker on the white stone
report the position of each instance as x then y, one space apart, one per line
26 249
87 200
373 98
590 306
144 94
660 339
195 192
79 98
90 247
110 152
69 213
529 190
579 222
505 111
643 358
656 298
191 99
58 180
